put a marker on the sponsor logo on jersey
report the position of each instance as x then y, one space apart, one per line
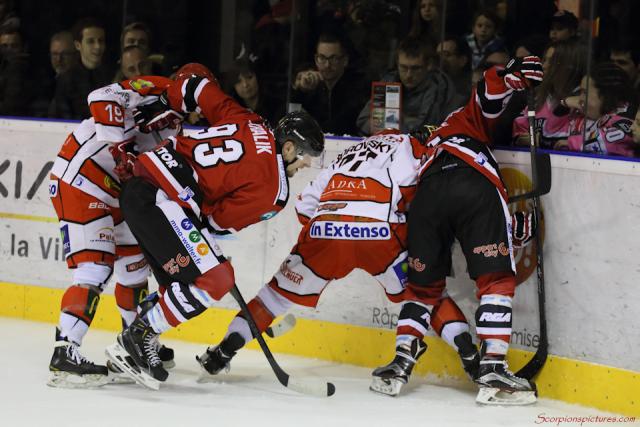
186 194
140 83
350 230
166 157
135 266
401 270
492 250
174 264
185 241
416 264
53 188
292 276
64 235
78 181
104 235
481 159
110 183
202 249
331 207
268 215
194 236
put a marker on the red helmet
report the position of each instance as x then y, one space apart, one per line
194 69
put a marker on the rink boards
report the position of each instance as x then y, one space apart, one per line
590 260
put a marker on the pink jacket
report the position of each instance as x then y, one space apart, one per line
610 134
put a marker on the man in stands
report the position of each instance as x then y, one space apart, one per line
84 190
428 96
88 74
220 180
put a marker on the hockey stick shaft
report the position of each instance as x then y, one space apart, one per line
305 387
539 358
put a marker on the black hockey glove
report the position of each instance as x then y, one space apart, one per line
522 73
157 116
525 227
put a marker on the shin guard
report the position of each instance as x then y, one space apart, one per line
77 309
493 324
127 299
413 322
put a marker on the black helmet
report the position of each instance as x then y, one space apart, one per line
302 129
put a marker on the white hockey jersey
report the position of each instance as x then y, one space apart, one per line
84 161
375 178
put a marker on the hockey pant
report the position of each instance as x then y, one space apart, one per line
96 242
456 202
182 253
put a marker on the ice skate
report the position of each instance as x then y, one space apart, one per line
218 358
165 353
389 379
70 369
499 386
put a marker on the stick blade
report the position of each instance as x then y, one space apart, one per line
312 387
543 164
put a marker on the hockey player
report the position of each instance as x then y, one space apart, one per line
84 191
452 201
216 181
355 212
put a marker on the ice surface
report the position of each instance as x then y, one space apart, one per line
249 395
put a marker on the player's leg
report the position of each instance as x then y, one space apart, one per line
192 263
486 243
299 281
429 260
89 247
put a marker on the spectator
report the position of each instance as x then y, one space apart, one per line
90 73
564 67
133 62
428 96
136 34
499 57
483 39
597 116
455 58
427 21
332 94
15 87
62 52
242 83
635 129
627 57
564 25
531 45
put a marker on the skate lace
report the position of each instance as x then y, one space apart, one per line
74 354
150 348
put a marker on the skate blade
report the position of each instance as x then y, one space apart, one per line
116 376
61 379
496 396
119 356
206 377
388 386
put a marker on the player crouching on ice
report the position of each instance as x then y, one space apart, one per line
216 181
354 215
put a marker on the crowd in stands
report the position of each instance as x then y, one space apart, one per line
435 52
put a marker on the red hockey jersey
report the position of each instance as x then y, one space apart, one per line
240 173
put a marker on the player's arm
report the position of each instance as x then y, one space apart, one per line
308 200
108 109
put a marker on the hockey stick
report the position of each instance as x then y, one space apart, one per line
543 184
538 360
304 386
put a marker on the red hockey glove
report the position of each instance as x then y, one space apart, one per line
157 116
525 226
125 156
523 73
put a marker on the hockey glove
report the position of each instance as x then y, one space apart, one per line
157 116
525 226
125 156
522 73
